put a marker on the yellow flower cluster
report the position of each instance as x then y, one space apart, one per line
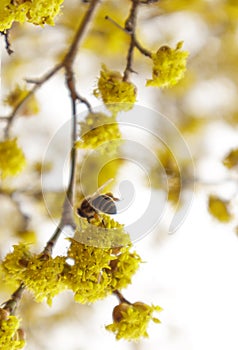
12 159
38 12
231 159
98 131
130 321
101 232
40 274
95 272
17 95
11 336
88 277
117 95
123 268
169 66
219 208
91 273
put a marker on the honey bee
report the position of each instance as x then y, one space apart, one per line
93 205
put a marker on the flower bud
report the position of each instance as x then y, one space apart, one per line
117 311
4 314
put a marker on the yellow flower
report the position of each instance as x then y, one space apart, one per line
11 336
169 66
117 95
12 159
38 12
40 274
219 208
131 320
88 277
231 160
100 132
97 272
123 268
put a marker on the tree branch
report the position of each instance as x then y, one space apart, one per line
67 64
13 302
121 297
7 42
130 27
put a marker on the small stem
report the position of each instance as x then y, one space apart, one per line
70 190
12 303
87 104
67 212
115 23
121 297
51 243
37 85
68 61
130 27
70 56
7 42
142 50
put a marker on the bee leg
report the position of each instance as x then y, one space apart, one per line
103 222
97 217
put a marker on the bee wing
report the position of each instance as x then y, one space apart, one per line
109 194
99 190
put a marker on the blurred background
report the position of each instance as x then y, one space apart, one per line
192 273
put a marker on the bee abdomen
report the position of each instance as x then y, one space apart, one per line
105 204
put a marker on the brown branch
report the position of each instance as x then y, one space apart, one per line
68 61
7 42
67 212
13 302
142 50
70 56
121 297
130 27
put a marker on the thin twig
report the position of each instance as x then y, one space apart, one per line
144 51
13 302
121 297
130 27
115 23
37 85
68 61
7 42
67 64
